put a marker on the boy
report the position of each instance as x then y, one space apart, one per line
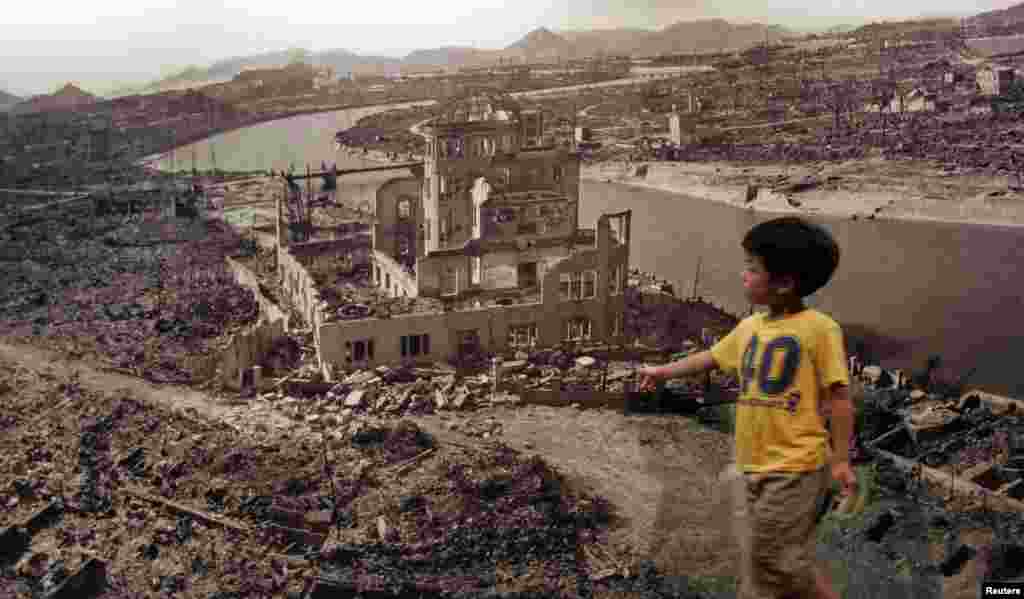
793 376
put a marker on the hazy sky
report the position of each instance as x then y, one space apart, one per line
101 43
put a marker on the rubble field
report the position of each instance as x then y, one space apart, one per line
174 494
106 484
134 290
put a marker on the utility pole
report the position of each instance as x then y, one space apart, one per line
696 278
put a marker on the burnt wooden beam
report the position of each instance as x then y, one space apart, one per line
204 517
88 581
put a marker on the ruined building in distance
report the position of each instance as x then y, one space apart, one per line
488 227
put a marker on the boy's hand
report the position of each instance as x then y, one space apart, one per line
649 377
844 475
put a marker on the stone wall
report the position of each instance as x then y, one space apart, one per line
299 286
269 311
247 349
392 278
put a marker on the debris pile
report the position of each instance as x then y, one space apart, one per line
147 308
120 495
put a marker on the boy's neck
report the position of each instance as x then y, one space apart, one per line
785 308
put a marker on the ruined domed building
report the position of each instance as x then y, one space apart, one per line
493 240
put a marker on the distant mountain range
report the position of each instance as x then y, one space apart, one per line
537 46
69 97
1005 17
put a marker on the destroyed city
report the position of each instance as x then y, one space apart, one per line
697 300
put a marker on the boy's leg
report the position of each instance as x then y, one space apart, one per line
740 524
782 515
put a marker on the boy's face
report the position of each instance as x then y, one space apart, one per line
760 288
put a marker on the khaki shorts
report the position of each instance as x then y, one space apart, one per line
776 516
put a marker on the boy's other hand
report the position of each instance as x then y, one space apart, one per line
843 473
649 377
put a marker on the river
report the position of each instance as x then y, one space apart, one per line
931 288
298 140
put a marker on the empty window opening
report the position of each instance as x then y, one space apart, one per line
615 281
577 329
616 325
359 350
450 282
415 345
589 284
618 229
570 286
527 274
527 228
476 264
404 209
524 335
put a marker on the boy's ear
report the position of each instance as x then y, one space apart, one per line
785 284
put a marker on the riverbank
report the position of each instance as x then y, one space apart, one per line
270 117
872 189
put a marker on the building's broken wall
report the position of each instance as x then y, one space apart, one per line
589 286
461 210
247 349
444 332
497 330
440 274
597 314
399 220
298 285
518 269
359 196
458 156
528 220
345 254
392 277
513 267
269 311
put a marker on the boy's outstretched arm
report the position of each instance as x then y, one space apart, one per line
697 363
839 407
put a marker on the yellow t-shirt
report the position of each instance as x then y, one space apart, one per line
783 366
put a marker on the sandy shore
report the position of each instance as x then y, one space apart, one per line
872 189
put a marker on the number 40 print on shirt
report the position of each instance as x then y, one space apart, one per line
768 373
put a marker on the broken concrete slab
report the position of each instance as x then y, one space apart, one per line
357 398
440 400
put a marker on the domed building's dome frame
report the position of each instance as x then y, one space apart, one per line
479 104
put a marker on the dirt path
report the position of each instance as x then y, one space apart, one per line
180 400
659 473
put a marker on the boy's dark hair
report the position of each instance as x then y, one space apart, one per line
792 246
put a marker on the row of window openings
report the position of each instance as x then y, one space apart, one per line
527 275
583 285
383 282
533 175
410 345
447 225
575 285
576 329
485 146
